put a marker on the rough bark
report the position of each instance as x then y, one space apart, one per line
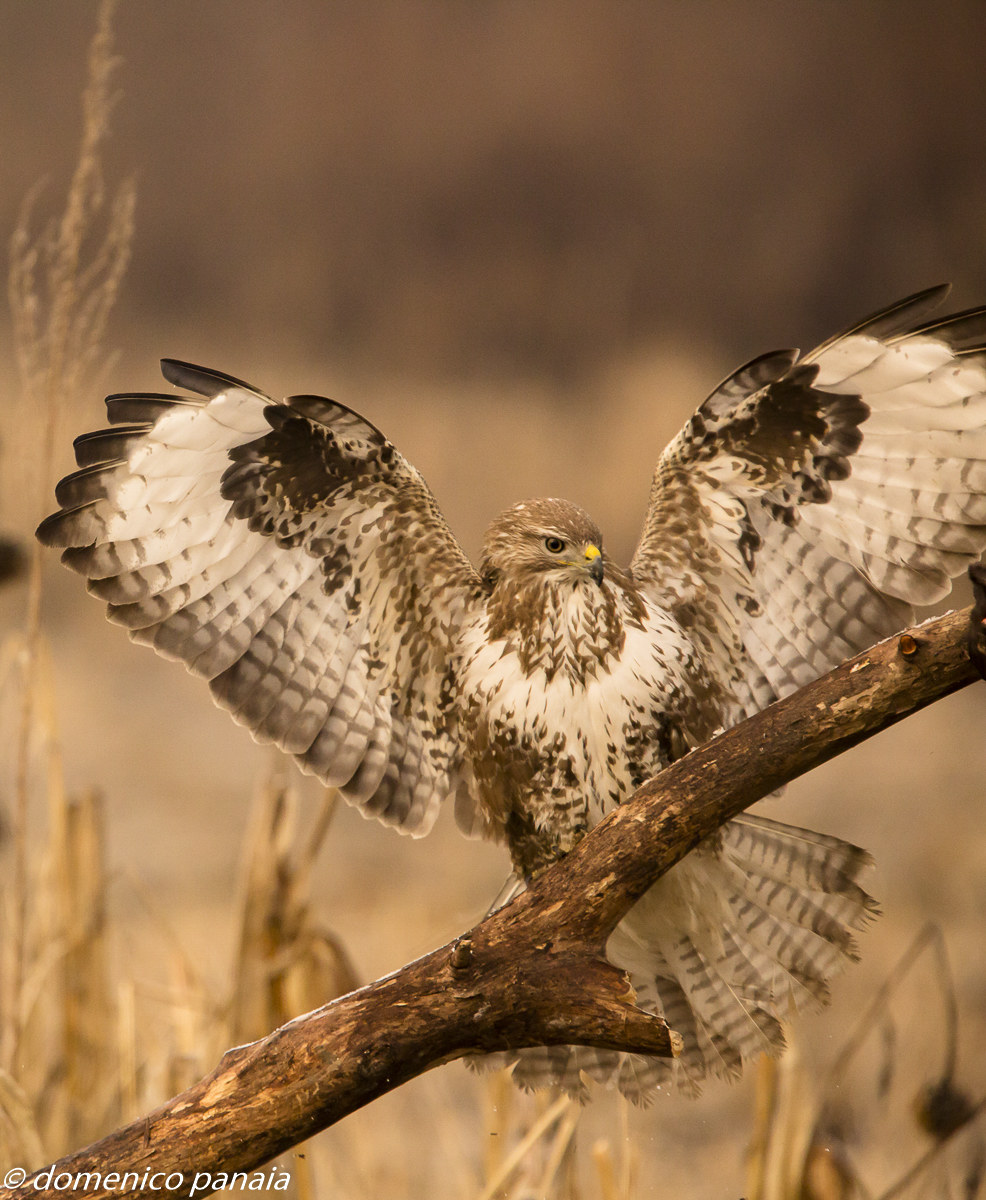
533 972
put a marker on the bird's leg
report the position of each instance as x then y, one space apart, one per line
510 890
534 847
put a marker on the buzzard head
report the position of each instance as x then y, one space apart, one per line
551 539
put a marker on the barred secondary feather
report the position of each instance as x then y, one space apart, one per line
289 554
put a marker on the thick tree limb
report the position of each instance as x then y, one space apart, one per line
533 972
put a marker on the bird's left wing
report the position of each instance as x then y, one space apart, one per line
289 554
811 502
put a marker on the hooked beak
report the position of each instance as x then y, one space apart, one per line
594 562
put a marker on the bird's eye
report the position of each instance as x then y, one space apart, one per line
554 544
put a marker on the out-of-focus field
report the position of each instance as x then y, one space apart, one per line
525 241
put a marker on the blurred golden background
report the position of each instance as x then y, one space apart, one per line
525 240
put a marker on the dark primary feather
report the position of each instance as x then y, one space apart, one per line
145 407
107 445
901 318
203 380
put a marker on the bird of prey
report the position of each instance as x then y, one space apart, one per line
288 553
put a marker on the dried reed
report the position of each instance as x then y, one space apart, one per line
53 987
804 1146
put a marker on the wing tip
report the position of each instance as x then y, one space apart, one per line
204 380
52 532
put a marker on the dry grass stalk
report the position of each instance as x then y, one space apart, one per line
558 1176
77 883
531 1148
54 997
801 1148
785 1113
167 1033
556 1117
60 301
20 1142
60 1018
286 963
602 1157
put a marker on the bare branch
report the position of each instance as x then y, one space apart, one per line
532 973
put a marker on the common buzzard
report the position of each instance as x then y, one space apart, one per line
288 553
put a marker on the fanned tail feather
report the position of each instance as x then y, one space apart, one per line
790 904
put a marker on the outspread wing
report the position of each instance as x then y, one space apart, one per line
811 502
290 555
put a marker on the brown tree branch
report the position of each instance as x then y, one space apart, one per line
532 973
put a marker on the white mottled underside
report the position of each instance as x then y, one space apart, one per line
593 714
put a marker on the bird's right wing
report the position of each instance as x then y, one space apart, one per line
811 502
290 555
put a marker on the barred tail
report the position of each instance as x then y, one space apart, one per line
764 914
